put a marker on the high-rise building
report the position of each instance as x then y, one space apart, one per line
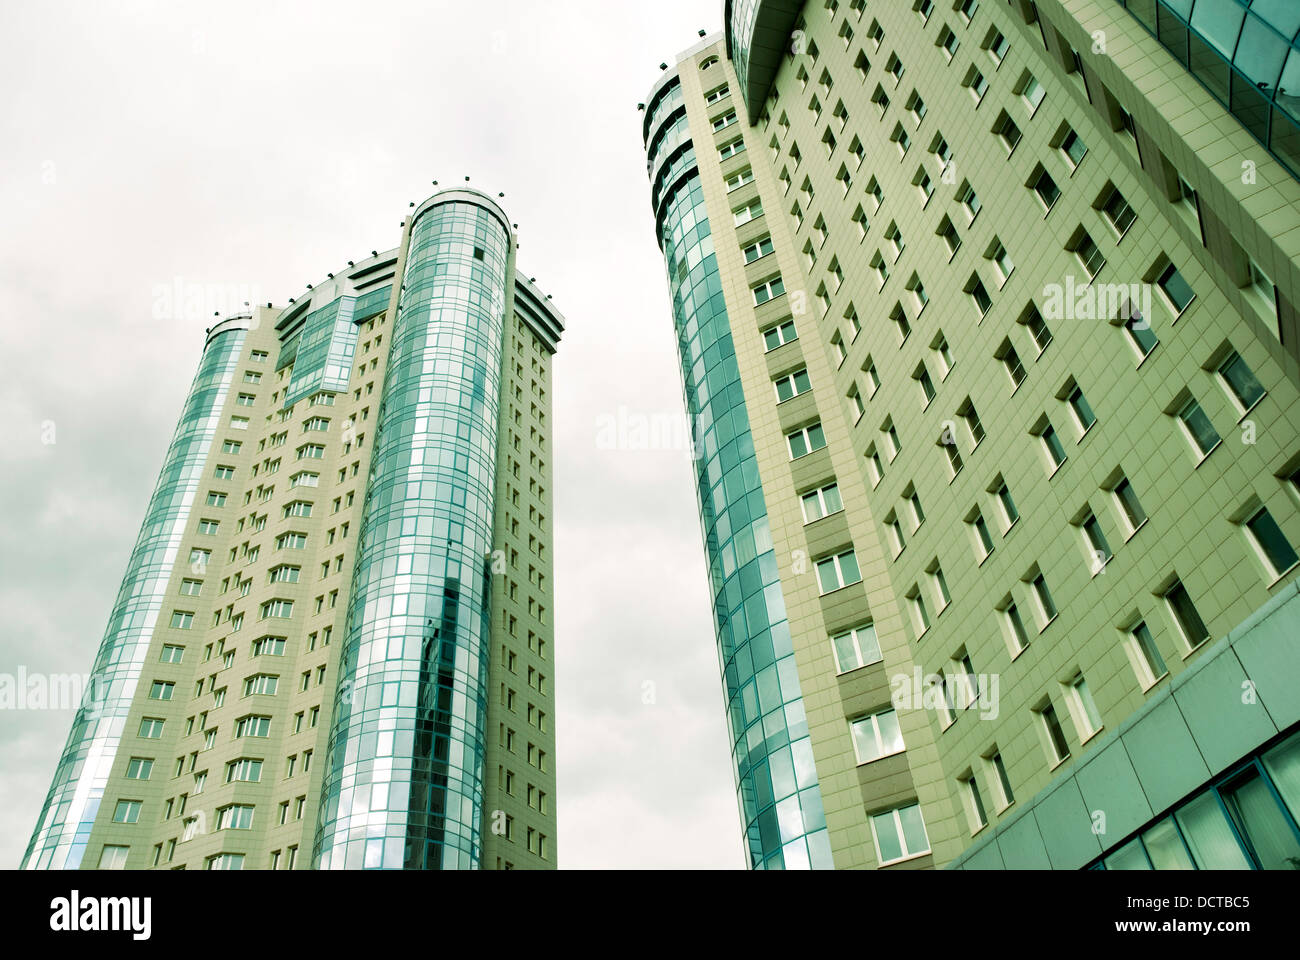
988 324
333 644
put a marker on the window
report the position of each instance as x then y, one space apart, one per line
779 335
896 537
1148 663
1240 381
979 295
732 148
284 574
793 385
253 726
768 291
1271 543
1198 429
1002 263
856 648
1074 149
994 760
1043 597
976 84
838 571
1117 210
1045 188
972 421
244 770
1095 544
758 249
223 473
1177 292
139 768
1079 406
975 812
738 180
127 811
151 728
1032 92
748 213
967 197
1010 360
1015 626
805 441
980 530
226 861
182 619
1087 720
1006 130
940 584
920 615
282 609
1089 256
235 817
113 857
821 503
1058 749
161 690
311 451
1051 445
899 834
1130 508
876 735
1139 331
261 685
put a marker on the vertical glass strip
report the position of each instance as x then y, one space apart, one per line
68 815
776 780
403 786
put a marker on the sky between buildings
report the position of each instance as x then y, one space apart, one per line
239 151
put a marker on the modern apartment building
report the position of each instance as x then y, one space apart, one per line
987 314
333 646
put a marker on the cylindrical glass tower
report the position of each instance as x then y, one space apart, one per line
403 787
83 771
776 779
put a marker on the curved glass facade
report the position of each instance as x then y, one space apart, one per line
68 815
776 780
403 786
1246 53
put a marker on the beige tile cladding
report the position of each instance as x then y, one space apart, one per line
1195 508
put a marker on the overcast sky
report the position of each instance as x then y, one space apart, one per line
254 146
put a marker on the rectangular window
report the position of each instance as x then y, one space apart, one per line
792 385
857 648
899 834
1198 429
1151 666
1130 507
1240 381
1059 750
805 441
1271 543
161 690
1087 720
838 571
876 735
821 503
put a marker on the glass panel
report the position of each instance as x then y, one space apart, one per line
913 829
1262 822
887 845
1283 765
1209 836
1131 856
1166 848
